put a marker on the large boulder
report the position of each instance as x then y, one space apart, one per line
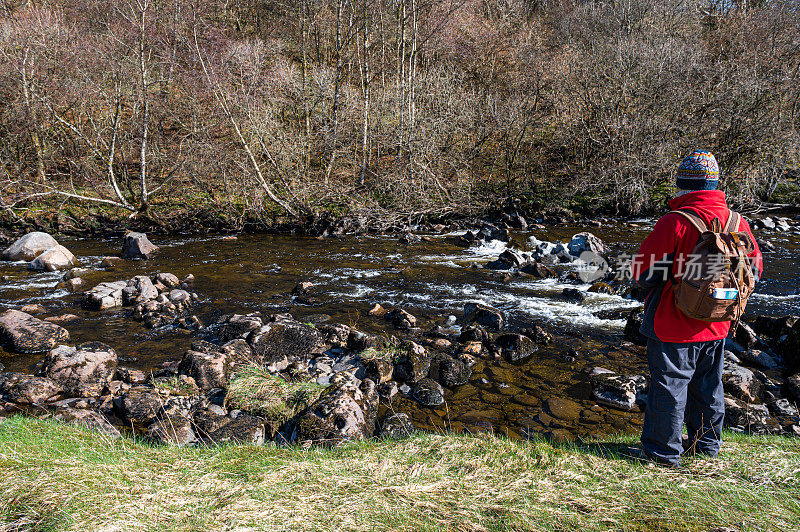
741 383
428 392
624 392
81 371
402 319
26 389
54 259
754 419
140 289
239 326
137 246
476 313
140 405
632 326
516 347
449 371
22 333
29 247
171 431
285 338
105 296
345 411
412 363
84 417
243 428
583 242
208 364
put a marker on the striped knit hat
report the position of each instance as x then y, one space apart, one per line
698 171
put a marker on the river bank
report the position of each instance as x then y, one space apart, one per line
59 477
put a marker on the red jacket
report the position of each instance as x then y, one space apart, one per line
666 248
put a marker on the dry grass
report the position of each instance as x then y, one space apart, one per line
59 477
256 390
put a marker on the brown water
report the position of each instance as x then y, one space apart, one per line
432 280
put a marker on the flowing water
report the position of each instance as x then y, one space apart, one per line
433 280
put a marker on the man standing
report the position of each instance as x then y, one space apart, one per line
685 355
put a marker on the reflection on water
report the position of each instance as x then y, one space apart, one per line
432 280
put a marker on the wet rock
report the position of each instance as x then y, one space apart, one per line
29 246
396 426
401 319
783 408
745 336
302 288
428 392
169 280
243 428
538 270
238 326
538 334
483 315
81 371
754 419
451 372
563 409
33 309
516 347
287 338
413 362
111 262
130 375
137 246
632 327
388 390
54 259
759 358
377 310
140 405
22 333
140 289
76 284
209 365
409 238
21 388
601 288
379 369
583 242
345 411
335 335
624 392
573 295
741 382
86 418
62 318
171 431
792 385
473 333
105 296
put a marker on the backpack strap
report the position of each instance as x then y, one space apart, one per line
695 220
734 220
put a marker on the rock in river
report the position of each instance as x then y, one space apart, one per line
105 296
516 347
22 333
137 246
54 259
413 363
625 392
29 246
483 315
428 392
81 371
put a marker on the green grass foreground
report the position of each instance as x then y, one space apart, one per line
60 477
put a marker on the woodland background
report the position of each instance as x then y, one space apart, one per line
259 110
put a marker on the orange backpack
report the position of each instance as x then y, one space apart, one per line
718 276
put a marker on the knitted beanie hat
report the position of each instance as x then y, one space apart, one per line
698 171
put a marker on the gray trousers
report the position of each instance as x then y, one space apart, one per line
685 386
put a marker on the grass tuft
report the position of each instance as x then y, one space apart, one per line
255 390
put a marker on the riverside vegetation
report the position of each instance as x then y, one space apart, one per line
201 115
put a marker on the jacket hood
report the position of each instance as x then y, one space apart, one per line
708 202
